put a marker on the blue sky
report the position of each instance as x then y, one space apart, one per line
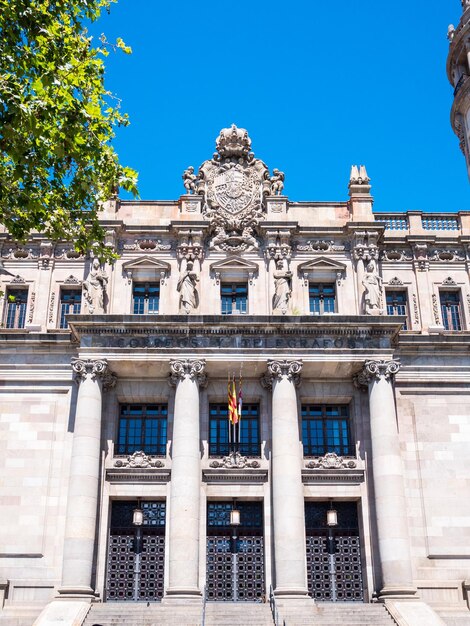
319 84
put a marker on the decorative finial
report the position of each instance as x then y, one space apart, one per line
359 175
450 32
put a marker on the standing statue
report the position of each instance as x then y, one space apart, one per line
373 290
189 298
189 180
94 288
283 290
277 182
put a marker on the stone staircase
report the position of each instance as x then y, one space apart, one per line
217 614
337 614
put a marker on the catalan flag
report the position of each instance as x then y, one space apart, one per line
232 402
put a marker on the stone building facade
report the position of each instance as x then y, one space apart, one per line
350 333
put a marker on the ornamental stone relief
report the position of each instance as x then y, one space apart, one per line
139 460
233 185
144 244
376 370
235 461
94 369
331 461
322 245
277 370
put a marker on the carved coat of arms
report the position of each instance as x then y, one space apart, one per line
234 185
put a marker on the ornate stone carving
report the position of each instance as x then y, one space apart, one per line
376 370
51 307
19 280
280 369
415 308
32 300
365 246
189 297
446 255
282 287
318 246
331 461
151 245
435 309
421 259
234 461
94 288
71 280
233 185
189 180
139 460
373 295
277 182
94 368
449 281
188 368
396 254
395 281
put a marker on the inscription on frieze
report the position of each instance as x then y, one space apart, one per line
239 342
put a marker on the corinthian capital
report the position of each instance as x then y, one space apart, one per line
94 368
282 369
188 368
375 370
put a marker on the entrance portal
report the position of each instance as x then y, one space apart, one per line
235 567
345 582
136 555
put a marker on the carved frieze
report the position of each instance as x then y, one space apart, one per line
446 255
139 460
435 309
235 461
396 254
32 301
331 460
415 309
147 244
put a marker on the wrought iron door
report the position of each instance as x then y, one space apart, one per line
347 555
250 553
136 557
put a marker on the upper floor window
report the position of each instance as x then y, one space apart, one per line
325 428
322 298
450 310
397 304
146 298
219 442
234 298
70 302
16 301
142 427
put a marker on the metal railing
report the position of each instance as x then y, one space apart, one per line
274 610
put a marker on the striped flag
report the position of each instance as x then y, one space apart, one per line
232 402
240 398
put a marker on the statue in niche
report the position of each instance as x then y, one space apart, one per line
283 289
189 180
372 283
189 298
94 288
277 182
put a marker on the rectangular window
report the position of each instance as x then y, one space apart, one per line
450 310
397 304
250 441
321 298
146 298
142 427
325 428
234 298
16 301
70 302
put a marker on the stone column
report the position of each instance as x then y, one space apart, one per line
80 527
390 504
187 375
287 488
